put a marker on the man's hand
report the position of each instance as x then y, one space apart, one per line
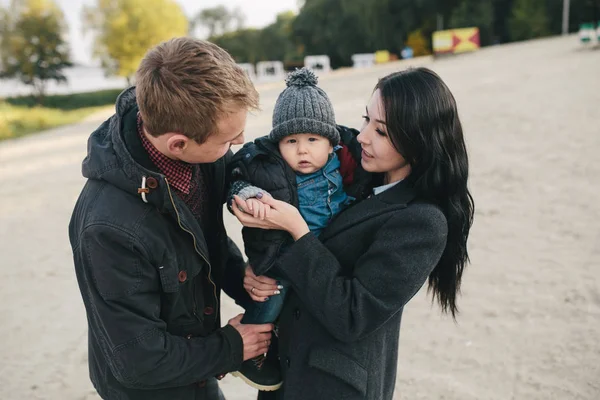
256 338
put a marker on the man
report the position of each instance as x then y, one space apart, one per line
150 248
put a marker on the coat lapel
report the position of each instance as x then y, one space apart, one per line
392 199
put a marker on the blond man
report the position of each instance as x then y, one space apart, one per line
150 249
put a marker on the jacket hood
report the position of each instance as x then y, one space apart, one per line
109 160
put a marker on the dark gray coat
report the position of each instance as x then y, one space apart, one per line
340 324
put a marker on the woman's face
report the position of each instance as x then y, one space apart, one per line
379 155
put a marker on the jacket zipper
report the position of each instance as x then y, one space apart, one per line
197 251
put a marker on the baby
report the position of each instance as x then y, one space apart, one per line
296 163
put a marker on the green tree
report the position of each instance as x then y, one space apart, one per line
273 42
277 40
243 45
341 28
218 20
391 21
418 43
332 27
126 29
475 13
580 11
529 20
33 47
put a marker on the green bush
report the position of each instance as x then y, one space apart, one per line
69 101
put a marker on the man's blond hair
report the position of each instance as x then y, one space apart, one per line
184 85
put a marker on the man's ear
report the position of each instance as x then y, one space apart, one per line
177 143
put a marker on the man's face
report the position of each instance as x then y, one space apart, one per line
305 152
230 131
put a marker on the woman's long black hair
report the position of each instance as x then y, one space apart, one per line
423 125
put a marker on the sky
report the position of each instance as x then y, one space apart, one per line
259 13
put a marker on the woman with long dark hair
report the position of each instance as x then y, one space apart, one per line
338 332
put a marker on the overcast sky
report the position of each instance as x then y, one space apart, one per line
259 13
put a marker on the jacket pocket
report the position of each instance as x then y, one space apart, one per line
341 366
169 278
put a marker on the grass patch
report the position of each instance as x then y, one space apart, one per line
73 101
19 121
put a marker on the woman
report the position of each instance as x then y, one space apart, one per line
339 329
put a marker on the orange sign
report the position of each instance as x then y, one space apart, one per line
454 41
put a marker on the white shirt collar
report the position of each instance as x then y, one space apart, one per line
380 189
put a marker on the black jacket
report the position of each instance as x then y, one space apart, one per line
260 164
150 278
340 323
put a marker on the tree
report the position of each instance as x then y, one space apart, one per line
389 22
332 27
243 45
475 13
418 43
276 40
580 11
340 28
273 42
126 29
219 20
33 47
529 20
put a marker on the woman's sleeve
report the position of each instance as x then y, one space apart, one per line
392 270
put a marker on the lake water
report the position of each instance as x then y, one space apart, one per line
79 79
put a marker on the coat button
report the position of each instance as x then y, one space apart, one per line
297 313
182 276
188 337
208 310
152 183
287 361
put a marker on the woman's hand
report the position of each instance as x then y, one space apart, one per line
260 287
281 216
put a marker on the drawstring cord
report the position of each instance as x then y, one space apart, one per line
143 190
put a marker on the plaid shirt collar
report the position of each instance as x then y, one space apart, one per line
178 173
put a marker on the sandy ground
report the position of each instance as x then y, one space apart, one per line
530 321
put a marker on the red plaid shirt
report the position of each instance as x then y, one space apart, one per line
186 179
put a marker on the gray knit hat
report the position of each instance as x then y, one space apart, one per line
304 108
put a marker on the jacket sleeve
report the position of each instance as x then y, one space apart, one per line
233 280
245 190
122 292
403 253
238 180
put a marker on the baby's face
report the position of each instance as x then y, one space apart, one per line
305 152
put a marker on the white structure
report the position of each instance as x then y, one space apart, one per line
270 71
364 60
249 69
318 63
589 34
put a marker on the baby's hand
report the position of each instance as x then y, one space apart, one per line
258 209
